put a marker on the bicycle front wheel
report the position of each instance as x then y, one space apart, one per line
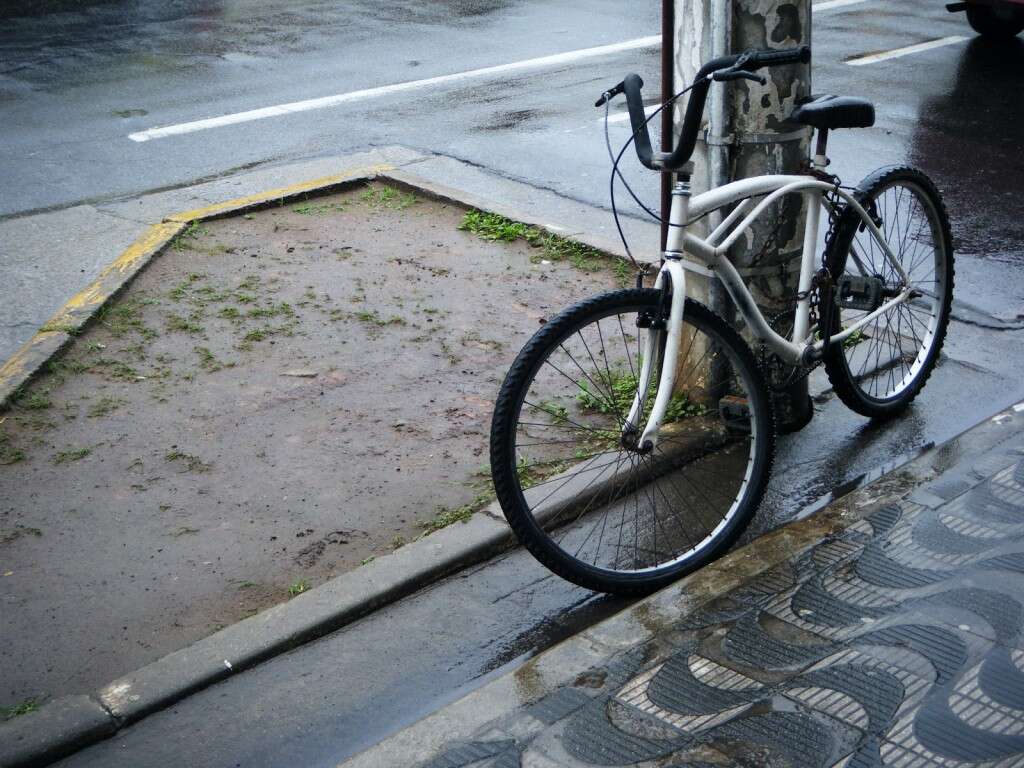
580 495
880 368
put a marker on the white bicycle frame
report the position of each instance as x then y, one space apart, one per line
683 245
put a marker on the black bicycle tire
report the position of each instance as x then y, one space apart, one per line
502 448
837 248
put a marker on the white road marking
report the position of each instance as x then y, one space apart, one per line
825 5
906 51
828 5
384 90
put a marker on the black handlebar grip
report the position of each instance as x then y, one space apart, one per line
758 59
695 105
631 86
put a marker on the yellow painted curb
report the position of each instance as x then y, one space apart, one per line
127 264
70 318
281 193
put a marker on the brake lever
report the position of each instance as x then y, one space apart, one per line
610 94
724 75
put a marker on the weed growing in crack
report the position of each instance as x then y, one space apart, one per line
446 517
23 707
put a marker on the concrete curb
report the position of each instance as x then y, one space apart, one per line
69 723
60 727
313 614
415 183
80 308
69 320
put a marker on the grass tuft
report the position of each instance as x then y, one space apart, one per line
12 535
35 401
187 236
373 318
192 463
21 708
446 517
617 391
104 406
9 455
492 226
208 361
178 323
387 197
318 209
75 454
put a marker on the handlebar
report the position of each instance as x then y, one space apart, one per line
734 67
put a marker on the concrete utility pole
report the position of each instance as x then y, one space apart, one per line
745 136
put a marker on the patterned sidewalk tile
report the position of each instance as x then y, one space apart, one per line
896 643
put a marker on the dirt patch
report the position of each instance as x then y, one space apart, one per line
278 398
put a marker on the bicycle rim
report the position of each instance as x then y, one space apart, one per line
888 355
591 502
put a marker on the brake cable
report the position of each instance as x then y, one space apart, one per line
616 159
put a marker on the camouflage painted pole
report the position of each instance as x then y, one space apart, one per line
745 135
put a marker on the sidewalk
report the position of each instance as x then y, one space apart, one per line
885 630
47 257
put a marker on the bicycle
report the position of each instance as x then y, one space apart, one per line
633 436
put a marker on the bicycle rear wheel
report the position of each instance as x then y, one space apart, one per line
880 369
576 490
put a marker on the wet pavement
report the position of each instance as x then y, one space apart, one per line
950 110
345 692
75 84
896 640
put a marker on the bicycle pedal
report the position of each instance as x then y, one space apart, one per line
856 292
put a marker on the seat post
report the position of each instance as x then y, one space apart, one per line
820 158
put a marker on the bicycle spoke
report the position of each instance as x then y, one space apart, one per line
602 504
897 341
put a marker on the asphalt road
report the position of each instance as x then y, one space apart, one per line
73 89
75 85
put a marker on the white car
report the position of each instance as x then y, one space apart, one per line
993 18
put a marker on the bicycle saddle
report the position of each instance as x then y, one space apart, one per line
835 112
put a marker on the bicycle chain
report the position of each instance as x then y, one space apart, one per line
782 375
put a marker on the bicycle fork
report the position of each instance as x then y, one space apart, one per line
674 273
